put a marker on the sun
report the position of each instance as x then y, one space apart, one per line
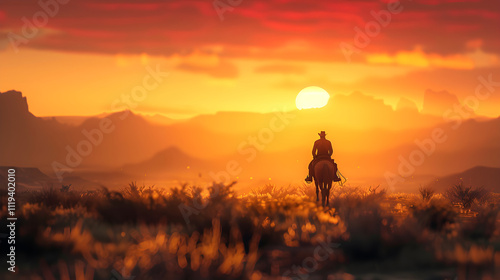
311 97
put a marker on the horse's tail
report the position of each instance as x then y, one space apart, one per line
327 176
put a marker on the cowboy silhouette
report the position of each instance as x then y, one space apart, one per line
322 149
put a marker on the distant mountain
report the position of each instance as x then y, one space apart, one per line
361 111
70 120
31 141
369 138
479 176
354 111
31 177
78 120
14 107
169 160
26 176
160 119
406 104
436 102
26 140
439 102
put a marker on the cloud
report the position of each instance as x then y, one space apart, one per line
281 69
412 85
205 62
262 29
419 58
222 70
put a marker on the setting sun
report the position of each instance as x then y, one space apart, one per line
312 97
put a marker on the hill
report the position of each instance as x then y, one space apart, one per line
26 176
170 160
479 176
364 145
32 177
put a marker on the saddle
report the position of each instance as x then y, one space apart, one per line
336 177
323 157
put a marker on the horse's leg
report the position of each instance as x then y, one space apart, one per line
321 189
317 190
328 194
323 193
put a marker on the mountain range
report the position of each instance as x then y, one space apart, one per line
369 137
479 176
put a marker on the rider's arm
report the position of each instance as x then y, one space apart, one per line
315 148
330 149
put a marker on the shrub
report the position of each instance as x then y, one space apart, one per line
426 193
273 190
374 193
434 216
483 225
65 188
465 196
53 198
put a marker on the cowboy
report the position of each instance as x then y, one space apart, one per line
322 149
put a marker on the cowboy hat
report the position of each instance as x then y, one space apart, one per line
322 133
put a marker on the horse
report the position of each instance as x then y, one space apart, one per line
324 172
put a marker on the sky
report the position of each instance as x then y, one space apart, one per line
73 57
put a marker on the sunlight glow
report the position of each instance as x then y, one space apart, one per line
312 97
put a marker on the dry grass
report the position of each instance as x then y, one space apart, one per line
194 233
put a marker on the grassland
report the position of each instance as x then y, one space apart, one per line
270 233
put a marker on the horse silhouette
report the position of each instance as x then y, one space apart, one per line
324 172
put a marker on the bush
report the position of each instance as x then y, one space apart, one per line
434 216
465 196
426 193
482 226
212 233
53 198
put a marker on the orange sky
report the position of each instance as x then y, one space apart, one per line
89 57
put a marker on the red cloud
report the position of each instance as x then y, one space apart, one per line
257 29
